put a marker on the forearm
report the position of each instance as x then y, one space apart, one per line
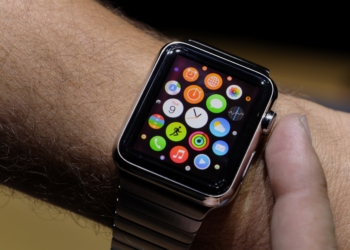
69 73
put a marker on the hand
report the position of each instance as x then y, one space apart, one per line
302 217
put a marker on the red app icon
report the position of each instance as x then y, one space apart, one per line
179 154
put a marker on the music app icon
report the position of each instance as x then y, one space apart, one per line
178 154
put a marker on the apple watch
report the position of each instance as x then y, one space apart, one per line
187 144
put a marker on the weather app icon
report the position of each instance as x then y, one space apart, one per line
219 127
172 87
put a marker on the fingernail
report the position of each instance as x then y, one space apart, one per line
303 120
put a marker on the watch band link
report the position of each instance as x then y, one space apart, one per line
154 215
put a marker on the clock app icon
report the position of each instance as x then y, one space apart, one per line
196 117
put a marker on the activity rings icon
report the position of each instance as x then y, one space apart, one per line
198 141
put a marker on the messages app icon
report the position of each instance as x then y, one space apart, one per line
216 103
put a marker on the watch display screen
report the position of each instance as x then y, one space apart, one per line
194 120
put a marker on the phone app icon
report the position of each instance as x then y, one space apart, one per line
178 154
196 117
198 141
220 148
201 161
173 108
219 127
234 92
156 121
176 131
193 94
236 113
213 81
190 74
157 143
172 87
216 103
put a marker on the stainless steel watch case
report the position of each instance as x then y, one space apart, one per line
192 194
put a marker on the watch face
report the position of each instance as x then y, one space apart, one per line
195 120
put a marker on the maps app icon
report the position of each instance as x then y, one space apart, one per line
172 87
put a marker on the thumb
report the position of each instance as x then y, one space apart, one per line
302 217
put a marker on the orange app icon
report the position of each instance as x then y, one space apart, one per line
190 74
178 154
213 81
193 94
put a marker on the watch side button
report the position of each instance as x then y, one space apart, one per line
268 121
248 165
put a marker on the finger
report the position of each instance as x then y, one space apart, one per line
302 216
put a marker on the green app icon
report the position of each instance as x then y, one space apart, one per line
176 131
157 143
216 103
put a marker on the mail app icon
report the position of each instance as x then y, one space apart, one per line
220 147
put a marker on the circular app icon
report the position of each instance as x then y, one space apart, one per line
198 141
190 74
216 103
213 81
201 161
196 117
172 87
173 107
157 143
234 92
193 94
219 127
176 131
156 121
236 113
178 154
220 148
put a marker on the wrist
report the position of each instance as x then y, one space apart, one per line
245 222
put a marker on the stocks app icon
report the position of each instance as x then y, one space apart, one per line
236 113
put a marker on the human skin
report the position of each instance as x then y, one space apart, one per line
69 71
302 217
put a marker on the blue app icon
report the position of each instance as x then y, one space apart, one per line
172 87
219 127
220 148
201 161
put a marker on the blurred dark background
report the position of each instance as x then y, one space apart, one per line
322 26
